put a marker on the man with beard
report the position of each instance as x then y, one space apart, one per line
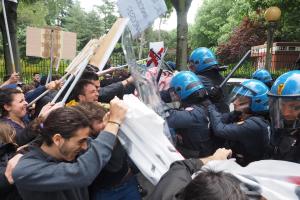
59 169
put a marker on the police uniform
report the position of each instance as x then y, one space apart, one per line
286 145
205 65
212 78
284 106
191 124
248 139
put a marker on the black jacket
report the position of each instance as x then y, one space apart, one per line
285 145
171 185
212 78
7 191
114 171
192 125
107 93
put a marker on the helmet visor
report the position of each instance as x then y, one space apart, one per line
240 91
285 112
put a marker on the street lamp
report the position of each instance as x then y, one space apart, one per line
272 15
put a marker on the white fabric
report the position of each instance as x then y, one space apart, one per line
144 140
275 179
141 13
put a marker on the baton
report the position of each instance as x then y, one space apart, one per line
235 68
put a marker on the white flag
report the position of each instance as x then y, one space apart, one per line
144 140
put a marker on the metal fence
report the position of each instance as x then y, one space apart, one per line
41 66
36 65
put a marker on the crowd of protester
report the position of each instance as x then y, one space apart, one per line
55 151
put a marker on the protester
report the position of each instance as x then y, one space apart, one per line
116 89
190 122
203 62
84 91
13 110
36 79
13 107
116 180
91 76
58 169
14 78
52 86
285 114
96 114
8 148
108 92
246 129
177 183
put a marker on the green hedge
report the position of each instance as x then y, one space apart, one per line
247 69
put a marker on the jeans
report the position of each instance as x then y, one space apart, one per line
127 191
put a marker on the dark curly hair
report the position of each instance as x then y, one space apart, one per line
65 121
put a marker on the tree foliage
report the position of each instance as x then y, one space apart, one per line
107 13
288 27
67 14
216 20
233 26
27 16
246 35
57 10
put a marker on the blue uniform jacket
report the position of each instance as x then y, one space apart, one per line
249 138
192 125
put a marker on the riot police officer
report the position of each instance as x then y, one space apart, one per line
264 76
285 116
247 129
203 62
190 122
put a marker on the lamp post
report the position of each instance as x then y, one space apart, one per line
272 15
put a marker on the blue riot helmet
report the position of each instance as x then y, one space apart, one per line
285 101
263 76
251 94
185 83
202 59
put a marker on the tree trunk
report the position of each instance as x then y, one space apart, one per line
182 7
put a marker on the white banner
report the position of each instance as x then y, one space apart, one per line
141 13
273 179
142 135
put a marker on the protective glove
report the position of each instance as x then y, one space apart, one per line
215 93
